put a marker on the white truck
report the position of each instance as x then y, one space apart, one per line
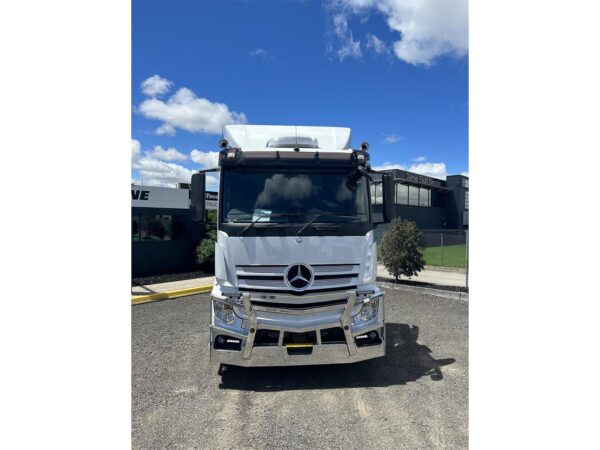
295 258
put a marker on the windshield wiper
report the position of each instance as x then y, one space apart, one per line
346 215
251 224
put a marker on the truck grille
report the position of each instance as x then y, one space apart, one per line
271 278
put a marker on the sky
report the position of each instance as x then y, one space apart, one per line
395 71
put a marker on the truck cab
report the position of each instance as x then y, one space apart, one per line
295 258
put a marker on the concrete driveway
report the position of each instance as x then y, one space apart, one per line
414 398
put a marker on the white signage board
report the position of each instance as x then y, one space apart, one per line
159 197
212 201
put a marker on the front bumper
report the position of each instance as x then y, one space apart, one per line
343 351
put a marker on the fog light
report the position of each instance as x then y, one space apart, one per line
227 343
368 311
224 312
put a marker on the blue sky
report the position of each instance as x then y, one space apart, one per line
395 73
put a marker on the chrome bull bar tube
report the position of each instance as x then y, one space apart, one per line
346 317
253 325
323 354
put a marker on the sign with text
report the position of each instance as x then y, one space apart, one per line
159 197
212 200
422 179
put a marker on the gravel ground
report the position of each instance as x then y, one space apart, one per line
416 397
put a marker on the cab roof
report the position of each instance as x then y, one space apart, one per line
261 137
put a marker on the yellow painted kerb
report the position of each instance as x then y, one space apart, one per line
137 299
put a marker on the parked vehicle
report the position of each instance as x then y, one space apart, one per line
295 258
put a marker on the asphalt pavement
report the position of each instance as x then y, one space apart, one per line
416 397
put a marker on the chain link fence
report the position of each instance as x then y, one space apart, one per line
446 254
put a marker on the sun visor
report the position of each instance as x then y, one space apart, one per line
258 137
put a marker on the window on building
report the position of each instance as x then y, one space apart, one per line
466 199
376 194
424 196
465 182
135 228
156 228
401 194
413 195
179 227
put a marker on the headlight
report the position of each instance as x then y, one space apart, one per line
368 311
224 312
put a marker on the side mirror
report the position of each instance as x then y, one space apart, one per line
197 196
389 207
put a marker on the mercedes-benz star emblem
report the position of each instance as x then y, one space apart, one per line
299 276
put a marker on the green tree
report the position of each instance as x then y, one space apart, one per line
211 216
399 249
205 251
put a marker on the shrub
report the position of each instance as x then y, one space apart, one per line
211 216
205 251
399 249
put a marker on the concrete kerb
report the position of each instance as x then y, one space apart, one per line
455 295
138 299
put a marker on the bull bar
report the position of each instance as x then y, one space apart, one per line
251 355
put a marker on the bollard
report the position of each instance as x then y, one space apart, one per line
442 247
467 258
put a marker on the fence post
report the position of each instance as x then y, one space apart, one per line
467 259
442 247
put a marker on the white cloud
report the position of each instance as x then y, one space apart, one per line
261 53
207 160
170 154
212 182
190 113
160 173
392 139
152 171
427 29
466 174
135 149
375 44
166 129
348 47
390 166
419 159
435 170
155 85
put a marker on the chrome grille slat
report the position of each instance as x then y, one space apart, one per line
335 268
262 270
317 284
264 283
338 276
330 282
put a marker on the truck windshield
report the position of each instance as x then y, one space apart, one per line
292 197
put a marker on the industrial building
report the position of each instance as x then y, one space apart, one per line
432 203
164 238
